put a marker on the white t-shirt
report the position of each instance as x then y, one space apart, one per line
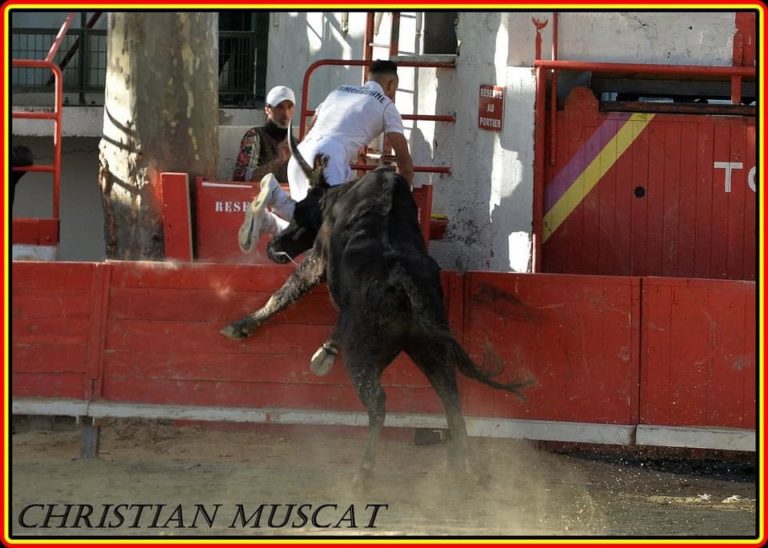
349 119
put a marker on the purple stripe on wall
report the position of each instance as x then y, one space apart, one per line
583 157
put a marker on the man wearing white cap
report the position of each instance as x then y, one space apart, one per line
264 155
265 149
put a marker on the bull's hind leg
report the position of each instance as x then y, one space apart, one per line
365 365
441 374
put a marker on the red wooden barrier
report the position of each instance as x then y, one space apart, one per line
220 211
576 336
177 217
143 332
698 362
55 307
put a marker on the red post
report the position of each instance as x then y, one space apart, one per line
177 216
538 169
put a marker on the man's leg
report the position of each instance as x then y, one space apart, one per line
258 220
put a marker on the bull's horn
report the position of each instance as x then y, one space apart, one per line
294 146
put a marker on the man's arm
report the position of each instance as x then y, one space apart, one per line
402 156
246 156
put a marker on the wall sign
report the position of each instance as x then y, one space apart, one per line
491 110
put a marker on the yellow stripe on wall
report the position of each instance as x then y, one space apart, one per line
594 172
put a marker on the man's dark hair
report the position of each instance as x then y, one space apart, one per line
382 67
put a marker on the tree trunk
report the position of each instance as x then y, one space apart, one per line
160 114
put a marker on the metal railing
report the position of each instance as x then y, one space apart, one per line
83 60
45 231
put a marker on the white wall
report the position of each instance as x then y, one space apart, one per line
680 38
298 39
488 197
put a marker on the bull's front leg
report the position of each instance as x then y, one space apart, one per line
308 274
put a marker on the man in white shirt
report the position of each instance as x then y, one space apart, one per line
349 119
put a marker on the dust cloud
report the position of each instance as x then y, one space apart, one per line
301 479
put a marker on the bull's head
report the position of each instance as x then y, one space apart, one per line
300 234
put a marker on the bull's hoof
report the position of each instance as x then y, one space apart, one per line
234 332
323 360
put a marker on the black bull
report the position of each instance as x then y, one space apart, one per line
366 243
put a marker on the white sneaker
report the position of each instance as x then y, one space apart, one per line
250 230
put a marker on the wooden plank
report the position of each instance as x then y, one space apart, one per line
687 198
35 231
476 426
208 305
308 396
58 274
750 208
50 331
654 234
257 367
537 326
640 158
99 304
48 385
699 367
190 337
680 223
736 201
622 218
690 361
48 303
705 192
219 277
44 357
719 216
655 367
602 241
733 358
177 216
670 244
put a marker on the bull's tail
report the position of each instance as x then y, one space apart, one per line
469 368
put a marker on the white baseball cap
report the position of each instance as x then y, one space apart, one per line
278 94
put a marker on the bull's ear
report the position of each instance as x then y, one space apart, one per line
321 161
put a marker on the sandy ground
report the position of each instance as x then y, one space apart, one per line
182 472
